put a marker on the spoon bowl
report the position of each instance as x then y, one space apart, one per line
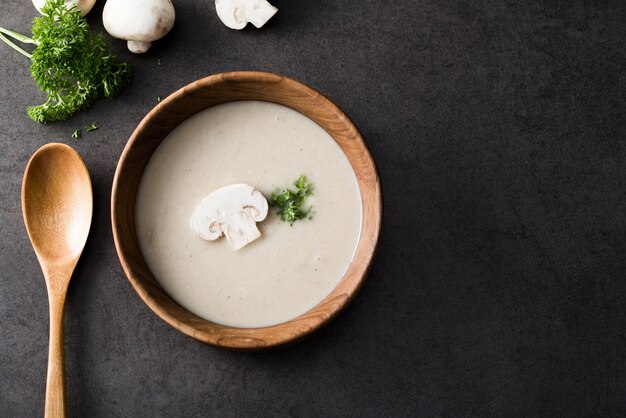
57 203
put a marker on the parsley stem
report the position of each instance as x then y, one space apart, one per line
12 45
17 36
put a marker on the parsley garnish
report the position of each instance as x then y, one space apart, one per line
77 134
92 127
71 65
289 202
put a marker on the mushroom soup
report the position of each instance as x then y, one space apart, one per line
289 268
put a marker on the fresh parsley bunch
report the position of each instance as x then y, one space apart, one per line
289 202
71 65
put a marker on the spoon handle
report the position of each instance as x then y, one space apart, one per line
55 385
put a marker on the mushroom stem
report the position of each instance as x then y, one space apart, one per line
262 14
240 230
138 47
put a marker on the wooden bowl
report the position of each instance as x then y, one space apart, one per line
174 110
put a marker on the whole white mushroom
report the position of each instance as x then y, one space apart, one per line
237 13
140 22
84 6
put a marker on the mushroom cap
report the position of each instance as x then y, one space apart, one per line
84 6
225 201
138 20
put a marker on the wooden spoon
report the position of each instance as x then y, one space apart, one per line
57 204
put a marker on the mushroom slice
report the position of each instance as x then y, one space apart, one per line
84 6
237 13
233 211
140 22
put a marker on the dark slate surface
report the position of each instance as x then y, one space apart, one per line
499 132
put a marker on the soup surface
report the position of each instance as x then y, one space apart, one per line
289 269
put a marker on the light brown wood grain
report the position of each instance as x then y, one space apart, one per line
57 204
177 108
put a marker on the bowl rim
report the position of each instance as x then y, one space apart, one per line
253 339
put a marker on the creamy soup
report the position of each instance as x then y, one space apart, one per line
289 269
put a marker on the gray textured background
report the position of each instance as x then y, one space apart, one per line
499 132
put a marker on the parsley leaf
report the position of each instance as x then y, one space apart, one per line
289 202
71 65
